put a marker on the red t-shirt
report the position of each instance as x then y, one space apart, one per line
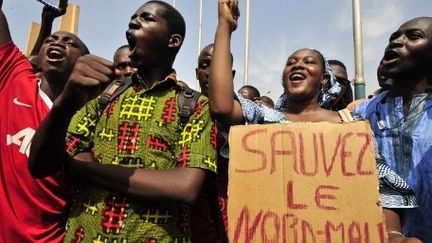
31 210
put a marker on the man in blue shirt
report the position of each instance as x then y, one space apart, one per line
401 119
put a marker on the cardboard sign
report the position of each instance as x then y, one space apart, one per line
304 182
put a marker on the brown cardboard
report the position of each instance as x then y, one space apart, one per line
303 182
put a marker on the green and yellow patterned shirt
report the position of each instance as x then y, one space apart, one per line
139 129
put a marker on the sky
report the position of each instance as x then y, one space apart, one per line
277 29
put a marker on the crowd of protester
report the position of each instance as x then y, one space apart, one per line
144 158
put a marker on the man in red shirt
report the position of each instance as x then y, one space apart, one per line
32 210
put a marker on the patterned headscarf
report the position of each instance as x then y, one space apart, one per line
333 89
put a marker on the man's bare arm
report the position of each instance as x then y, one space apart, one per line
177 184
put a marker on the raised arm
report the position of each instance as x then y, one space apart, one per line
47 154
48 16
221 88
5 36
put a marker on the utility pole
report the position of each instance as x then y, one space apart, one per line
246 50
199 33
359 81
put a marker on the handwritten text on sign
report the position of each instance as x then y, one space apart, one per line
303 182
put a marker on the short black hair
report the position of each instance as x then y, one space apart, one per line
211 45
83 46
267 100
120 48
251 88
337 62
175 21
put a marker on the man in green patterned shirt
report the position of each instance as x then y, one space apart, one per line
138 166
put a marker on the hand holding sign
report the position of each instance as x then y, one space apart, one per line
50 12
54 4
